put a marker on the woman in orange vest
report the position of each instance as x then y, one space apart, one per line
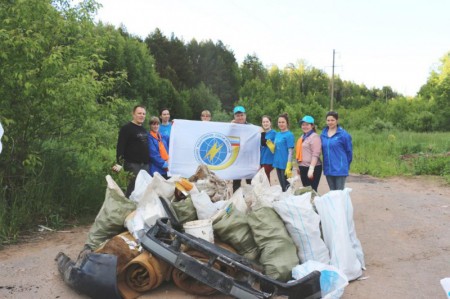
159 149
308 150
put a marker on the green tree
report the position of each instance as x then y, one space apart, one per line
437 92
201 98
252 68
172 59
58 135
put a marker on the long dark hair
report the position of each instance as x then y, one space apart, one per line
163 109
286 117
334 114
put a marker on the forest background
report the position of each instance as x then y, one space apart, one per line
69 83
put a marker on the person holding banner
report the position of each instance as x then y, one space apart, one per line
165 126
284 144
239 118
159 149
267 145
205 115
307 153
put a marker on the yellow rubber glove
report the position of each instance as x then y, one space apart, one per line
288 171
270 145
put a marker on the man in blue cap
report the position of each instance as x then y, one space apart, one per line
239 118
239 115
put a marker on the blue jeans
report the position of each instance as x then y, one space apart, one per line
336 182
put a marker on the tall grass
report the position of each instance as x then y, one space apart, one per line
391 153
401 153
69 188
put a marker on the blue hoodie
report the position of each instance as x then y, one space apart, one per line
337 152
156 162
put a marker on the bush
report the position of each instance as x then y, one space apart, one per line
432 166
379 125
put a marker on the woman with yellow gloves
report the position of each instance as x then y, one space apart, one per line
284 145
267 145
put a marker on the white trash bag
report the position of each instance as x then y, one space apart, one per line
204 206
143 179
336 214
332 281
303 224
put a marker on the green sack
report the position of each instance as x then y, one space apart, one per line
278 251
303 190
110 219
232 228
184 210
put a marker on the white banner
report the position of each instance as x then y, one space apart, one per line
229 150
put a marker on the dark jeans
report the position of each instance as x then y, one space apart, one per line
134 168
237 184
314 183
283 179
267 168
336 182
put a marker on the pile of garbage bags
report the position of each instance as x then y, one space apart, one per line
288 234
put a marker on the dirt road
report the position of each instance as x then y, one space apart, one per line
402 223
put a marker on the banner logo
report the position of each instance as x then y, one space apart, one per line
216 150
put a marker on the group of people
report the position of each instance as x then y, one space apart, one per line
334 144
138 149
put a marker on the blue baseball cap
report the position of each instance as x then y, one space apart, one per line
307 119
238 109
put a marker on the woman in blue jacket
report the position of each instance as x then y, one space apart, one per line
337 152
159 149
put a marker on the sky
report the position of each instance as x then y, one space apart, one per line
379 43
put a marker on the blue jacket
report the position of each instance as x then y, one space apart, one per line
266 154
337 152
156 162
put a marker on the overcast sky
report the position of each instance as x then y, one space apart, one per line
378 43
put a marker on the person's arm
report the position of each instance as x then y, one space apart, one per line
349 149
263 139
288 170
120 150
316 149
290 150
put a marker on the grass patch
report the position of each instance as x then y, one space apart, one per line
401 153
392 153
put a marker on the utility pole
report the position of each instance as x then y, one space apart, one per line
332 85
